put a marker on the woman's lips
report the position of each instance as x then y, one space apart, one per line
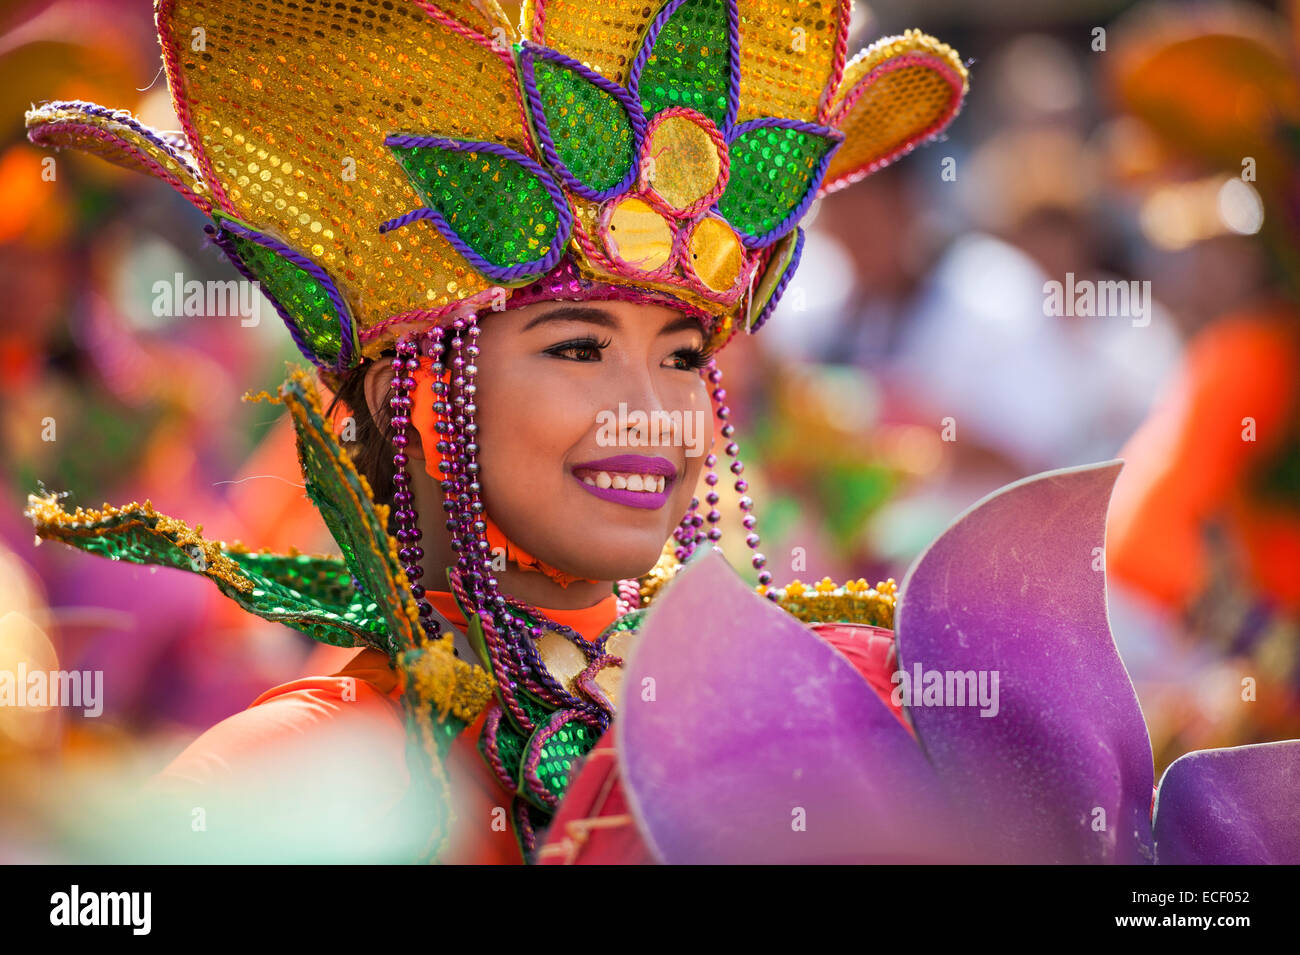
631 479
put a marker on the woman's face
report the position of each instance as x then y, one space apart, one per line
594 422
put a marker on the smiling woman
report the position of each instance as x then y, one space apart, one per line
513 271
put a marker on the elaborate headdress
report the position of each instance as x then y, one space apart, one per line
380 164
387 171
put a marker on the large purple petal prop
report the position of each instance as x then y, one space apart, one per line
1061 769
1231 807
743 738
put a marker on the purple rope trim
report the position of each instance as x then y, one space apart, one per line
802 125
553 724
733 56
544 138
786 276
524 826
346 342
48 136
492 750
814 182
733 63
124 118
586 680
512 273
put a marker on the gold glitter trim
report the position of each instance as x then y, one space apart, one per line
52 522
825 602
855 601
439 677
446 682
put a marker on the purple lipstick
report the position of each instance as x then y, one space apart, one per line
631 479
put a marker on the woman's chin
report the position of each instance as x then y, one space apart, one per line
612 555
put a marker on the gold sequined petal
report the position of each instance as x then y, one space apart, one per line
899 108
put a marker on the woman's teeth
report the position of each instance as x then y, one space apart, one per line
647 483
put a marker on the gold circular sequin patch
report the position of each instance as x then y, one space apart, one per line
561 657
638 235
716 254
682 164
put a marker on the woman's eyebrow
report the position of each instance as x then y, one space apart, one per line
682 323
575 313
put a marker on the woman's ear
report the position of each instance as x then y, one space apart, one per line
379 389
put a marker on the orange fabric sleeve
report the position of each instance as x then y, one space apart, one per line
314 735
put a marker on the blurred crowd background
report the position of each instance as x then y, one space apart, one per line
911 368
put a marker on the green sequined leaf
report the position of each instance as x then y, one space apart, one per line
500 209
314 595
590 128
343 499
689 63
772 171
304 300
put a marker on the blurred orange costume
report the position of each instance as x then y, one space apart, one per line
1193 461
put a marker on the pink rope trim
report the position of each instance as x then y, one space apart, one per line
724 158
838 56
617 264
45 136
491 726
451 23
539 21
749 260
946 72
549 728
180 102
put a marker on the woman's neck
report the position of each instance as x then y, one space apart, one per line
531 587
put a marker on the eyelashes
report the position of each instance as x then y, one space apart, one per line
579 345
691 358
695 358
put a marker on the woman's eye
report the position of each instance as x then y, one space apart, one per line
688 359
584 351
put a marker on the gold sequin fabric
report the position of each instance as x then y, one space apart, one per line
288 108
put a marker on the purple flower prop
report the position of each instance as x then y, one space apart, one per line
745 738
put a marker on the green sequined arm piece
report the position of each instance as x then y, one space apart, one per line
358 525
312 594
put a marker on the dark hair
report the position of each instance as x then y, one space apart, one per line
371 448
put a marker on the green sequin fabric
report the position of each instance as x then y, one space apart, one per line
688 65
314 595
298 292
496 206
591 130
556 754
771 172
343 499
